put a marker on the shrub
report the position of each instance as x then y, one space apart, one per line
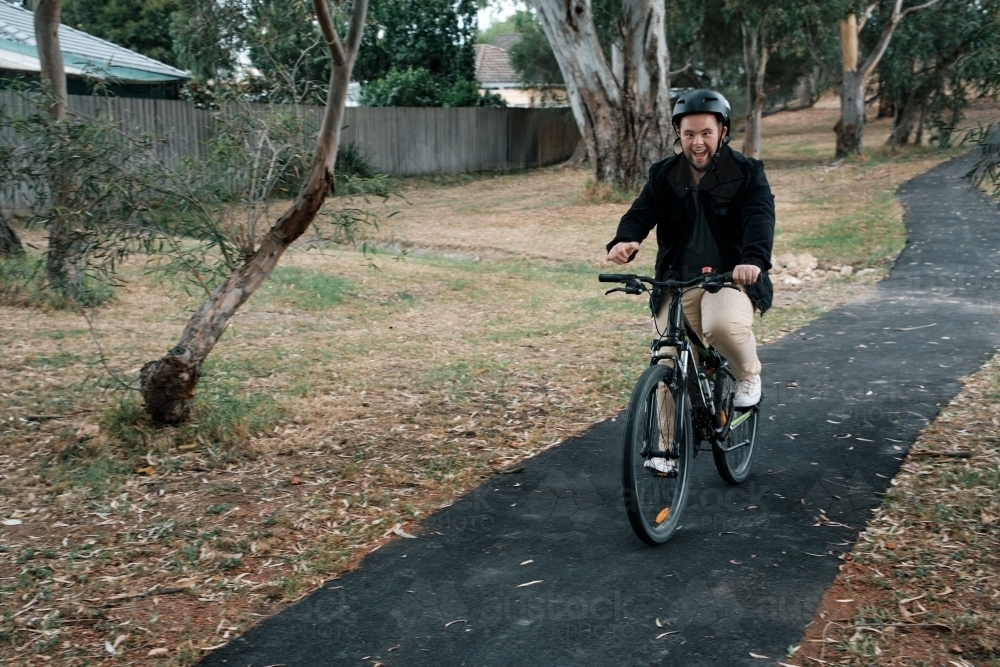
417 87
409 88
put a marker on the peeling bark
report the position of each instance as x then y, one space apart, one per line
168 384
851 126
622 109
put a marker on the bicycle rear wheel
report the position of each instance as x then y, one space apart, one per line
658 420
734 456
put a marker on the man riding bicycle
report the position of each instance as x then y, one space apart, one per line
712 207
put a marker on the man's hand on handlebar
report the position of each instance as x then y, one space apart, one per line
743 274
622 252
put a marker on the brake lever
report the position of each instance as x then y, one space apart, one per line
627 290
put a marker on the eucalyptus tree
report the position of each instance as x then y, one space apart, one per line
918 77
168 384
61 269
619 88
850 127
765 28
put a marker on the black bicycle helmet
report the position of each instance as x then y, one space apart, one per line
702 100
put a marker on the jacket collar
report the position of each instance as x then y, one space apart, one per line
722 179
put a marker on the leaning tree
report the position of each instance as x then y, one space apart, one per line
168 384
622 107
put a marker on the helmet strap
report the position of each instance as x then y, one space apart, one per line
722 143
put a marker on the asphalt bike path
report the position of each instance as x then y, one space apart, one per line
541 567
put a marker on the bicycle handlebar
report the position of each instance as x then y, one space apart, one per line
670 283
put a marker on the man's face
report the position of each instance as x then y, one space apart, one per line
700 136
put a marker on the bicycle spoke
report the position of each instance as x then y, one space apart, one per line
654 464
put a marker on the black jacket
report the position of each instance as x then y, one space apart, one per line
739 208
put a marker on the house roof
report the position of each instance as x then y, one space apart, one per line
82 53
506 41
493 66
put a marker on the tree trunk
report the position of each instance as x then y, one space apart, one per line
851 126
624 111
10 244
47 16
886 105
168 384
805 90
579 156
908 112
755 53
919 140
61 270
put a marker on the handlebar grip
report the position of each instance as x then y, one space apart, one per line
615 277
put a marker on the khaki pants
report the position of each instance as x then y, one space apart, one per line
723 320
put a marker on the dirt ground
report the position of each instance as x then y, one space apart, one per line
345 403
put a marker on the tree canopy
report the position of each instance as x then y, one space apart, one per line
436 35
140 25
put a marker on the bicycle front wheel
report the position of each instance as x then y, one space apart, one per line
734 455
656 456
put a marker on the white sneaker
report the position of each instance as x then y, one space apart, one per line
662 466
747 392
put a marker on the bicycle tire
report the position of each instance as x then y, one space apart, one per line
655 502
734 464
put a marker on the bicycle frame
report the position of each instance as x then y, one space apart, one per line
679 337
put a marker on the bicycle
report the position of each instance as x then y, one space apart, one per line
673 410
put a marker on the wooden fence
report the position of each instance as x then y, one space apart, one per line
398 141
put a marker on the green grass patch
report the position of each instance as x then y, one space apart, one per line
22 283
304 289
100 473
223 417
867 237
57 360
60 334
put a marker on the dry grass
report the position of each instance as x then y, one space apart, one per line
343 405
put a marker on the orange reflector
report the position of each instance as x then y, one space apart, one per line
723 418
662 516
